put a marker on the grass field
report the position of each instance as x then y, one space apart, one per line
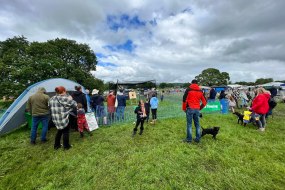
240 158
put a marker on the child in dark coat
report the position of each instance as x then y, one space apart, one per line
141 116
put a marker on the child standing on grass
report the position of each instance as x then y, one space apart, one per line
81 120
141 116
232 103
154 105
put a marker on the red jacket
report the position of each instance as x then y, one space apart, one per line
193 98
111 100
260 103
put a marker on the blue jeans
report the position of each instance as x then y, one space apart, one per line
261 122
36 120
120 113
193 113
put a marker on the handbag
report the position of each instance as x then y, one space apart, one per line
91 121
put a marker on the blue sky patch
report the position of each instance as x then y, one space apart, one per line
127 46
124 21
100 55
106 64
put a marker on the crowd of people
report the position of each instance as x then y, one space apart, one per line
256 100
68 111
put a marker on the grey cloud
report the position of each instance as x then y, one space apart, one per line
239 37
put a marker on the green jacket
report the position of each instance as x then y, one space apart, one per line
37 104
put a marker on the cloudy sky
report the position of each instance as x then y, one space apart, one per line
165 40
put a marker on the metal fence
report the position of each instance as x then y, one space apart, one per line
170 107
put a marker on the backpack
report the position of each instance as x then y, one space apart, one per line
272 103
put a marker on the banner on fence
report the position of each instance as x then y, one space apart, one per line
212 107
132 95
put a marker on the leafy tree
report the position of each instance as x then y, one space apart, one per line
162 85
212 76
263 80
246 83
186 85
23 63
168 85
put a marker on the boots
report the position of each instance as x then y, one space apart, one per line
134 133
81 134
141 132
89 132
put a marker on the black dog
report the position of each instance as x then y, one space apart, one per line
240 118
211 131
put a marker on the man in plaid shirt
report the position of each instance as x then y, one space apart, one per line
61 106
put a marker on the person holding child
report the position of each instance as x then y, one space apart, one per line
81 120
141 116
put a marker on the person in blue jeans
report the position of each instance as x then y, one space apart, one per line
193 102
120 111
37 105
192 113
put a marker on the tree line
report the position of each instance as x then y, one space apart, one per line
23 63
213 77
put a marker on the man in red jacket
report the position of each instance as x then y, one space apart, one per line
192 99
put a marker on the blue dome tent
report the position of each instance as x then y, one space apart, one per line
14 116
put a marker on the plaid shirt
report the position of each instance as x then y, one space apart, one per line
60 107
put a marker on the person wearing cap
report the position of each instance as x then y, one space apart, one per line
37 105
193 102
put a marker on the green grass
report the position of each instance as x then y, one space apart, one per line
240 158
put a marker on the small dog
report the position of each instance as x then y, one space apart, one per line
211 131
240 118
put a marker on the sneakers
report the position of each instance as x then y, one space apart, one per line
186 141
44 141
57 147
67 148
134 133
197 141
262 129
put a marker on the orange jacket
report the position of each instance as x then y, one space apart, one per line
193 98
